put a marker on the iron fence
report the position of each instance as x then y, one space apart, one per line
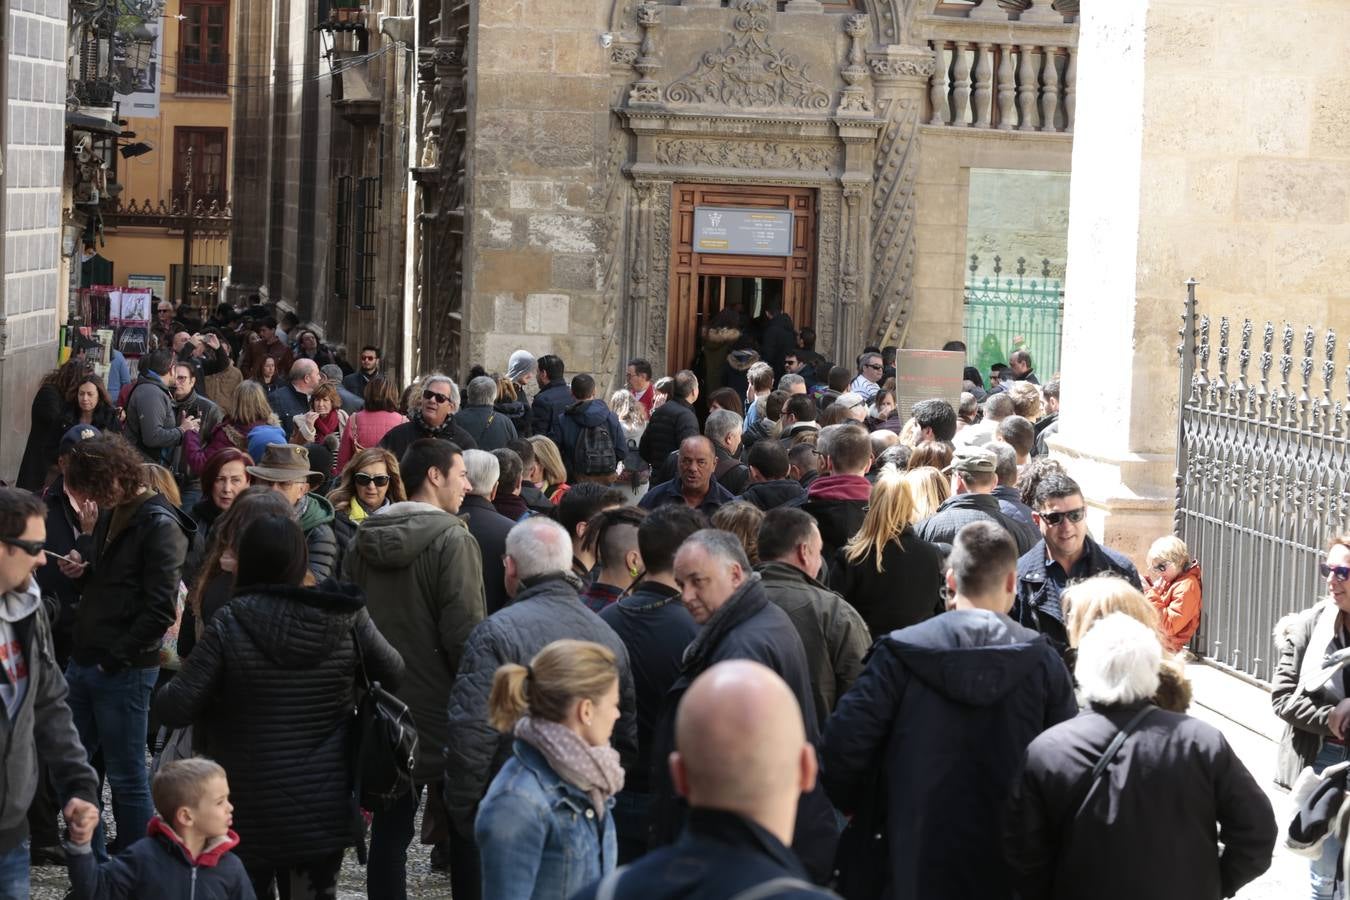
1262 478
1003 315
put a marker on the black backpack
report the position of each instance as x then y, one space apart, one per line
594 453
383 750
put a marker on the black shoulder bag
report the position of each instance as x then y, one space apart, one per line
383 750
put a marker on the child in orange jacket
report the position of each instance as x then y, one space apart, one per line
1174 589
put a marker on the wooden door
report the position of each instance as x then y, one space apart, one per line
692 305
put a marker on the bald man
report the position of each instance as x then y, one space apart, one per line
695 485
741 760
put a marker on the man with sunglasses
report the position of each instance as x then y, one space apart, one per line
1066 553
368 367
870 369
36 722
433 419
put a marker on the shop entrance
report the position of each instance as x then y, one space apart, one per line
704 284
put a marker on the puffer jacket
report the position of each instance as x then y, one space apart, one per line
672 422
130 589
1305 712
768 495
422 571
585 414
152 426
545 610
490 429
270 689
1174 794
923 750
316 520
834 636
1178 606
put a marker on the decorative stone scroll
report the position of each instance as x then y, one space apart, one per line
748 71
744 155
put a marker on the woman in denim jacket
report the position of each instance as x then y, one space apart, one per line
544 830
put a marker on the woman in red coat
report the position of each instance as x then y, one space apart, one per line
1174 590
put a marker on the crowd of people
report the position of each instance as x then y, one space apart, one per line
769 641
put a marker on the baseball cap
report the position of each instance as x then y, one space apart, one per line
973 459
74 435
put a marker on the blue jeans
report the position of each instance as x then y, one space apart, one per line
14 873
1324 869
111 713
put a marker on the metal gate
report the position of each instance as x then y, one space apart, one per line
1007 314
1262 477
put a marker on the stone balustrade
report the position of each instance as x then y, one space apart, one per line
1004 86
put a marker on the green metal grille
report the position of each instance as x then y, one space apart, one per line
1014 313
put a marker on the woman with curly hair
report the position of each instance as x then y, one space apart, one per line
52 405
324 422
370 481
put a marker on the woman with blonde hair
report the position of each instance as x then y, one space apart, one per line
890 575
742 519
636 474
1088 602
370 481
161 480
928 489
544 830
1174 589
551 475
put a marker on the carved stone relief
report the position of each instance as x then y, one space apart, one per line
749 71
744 155
893 241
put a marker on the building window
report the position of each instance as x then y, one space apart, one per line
208 165
356 202
203 48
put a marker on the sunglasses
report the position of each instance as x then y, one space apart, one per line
1054 518
873 366
432 395
32 548
1341 573
365 479
1160 567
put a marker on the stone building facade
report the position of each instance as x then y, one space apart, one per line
33 83
565 149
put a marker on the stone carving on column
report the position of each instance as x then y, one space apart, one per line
853 100
645 89
749 71
828 269
893 242
656 206
610 261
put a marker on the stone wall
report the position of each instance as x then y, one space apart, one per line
30 213
1013 214
540 127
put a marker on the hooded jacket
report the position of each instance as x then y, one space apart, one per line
270 689
923 750
1178 606
152 426
129 591
41 727
545 610
399 438
316 520
490 428
552 399
957 512
422 571
160 867
1148 827
907 590
747 626
1304 706
584 414
833 635
838 503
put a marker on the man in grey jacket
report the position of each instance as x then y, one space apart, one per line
544 609
152 423
35 722
833 634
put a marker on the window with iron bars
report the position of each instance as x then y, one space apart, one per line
356 200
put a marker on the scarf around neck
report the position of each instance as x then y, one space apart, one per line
326 425
595 770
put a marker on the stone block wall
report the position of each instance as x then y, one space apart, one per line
1015 214
30 213
539 134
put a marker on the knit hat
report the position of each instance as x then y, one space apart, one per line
522 363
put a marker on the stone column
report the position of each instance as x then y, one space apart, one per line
901 76
251 54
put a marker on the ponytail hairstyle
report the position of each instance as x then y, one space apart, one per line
558 676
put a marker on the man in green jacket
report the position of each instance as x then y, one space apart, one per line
833 633
422 574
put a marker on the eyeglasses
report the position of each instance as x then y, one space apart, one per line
432 395
1054 518
32 548
365 479
1341 573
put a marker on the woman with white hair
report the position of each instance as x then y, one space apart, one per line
1122 801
